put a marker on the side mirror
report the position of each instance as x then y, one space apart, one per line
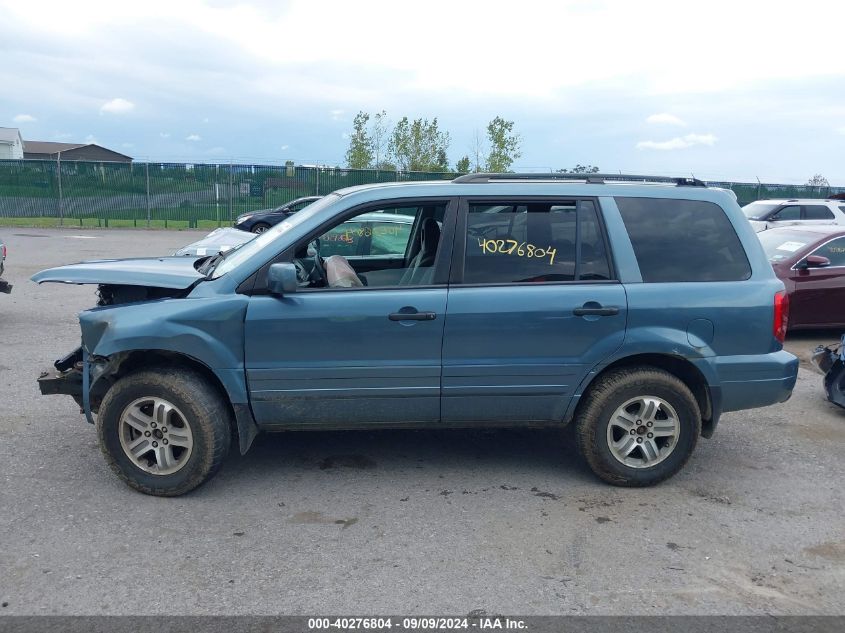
281 279
817 261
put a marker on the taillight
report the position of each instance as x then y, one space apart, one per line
4 251
781 319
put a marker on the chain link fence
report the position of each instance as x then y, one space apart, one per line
203 195
165 194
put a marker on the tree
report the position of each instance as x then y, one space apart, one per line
378 136
463 166
504 145
359 155
818 181
580 169
419 145
478 149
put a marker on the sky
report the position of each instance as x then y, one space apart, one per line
735 90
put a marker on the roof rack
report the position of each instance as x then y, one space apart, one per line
592 179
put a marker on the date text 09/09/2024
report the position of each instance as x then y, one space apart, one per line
415 623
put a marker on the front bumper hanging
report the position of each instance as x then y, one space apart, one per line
69 376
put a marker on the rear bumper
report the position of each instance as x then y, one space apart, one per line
748 382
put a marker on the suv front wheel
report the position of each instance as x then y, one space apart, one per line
637 426
164 431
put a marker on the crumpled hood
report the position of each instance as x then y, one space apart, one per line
156 272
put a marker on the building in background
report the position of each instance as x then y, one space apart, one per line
11 143
43 150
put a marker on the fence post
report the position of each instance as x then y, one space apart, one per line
317 193
61 198
230 192
758 187
149 212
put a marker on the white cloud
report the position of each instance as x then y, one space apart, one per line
193 138
164 134
24 118
679 142
284 147
206 120
337 115
91 139
117 105
665 118
841 129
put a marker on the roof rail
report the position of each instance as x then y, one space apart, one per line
592 179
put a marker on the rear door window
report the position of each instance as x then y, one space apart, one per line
817 212
683 240
390 238
347 239
533 242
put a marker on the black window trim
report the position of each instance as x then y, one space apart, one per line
256 284
459 245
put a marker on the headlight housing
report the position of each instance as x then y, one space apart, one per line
244 218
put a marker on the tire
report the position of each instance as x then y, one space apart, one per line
646 406
259 227
200 430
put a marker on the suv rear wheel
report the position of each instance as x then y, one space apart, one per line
638 426
164 431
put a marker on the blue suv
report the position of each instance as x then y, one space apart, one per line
638 309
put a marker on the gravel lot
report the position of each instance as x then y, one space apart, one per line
399 522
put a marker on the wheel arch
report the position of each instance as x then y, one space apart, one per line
678 366
121 364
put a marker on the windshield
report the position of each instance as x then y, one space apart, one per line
758 210
235 258
779 244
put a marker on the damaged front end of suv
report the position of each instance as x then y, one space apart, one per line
152 315
84 376
830 361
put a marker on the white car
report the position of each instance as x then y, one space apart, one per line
768 214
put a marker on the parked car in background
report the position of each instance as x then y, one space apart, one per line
768 214
639 312
260 221
5 286
810 260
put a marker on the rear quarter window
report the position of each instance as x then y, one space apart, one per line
683 240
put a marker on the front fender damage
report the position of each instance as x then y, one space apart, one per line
67 376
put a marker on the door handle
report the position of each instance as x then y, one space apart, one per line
595 309
411 314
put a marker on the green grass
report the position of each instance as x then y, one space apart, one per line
49 223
